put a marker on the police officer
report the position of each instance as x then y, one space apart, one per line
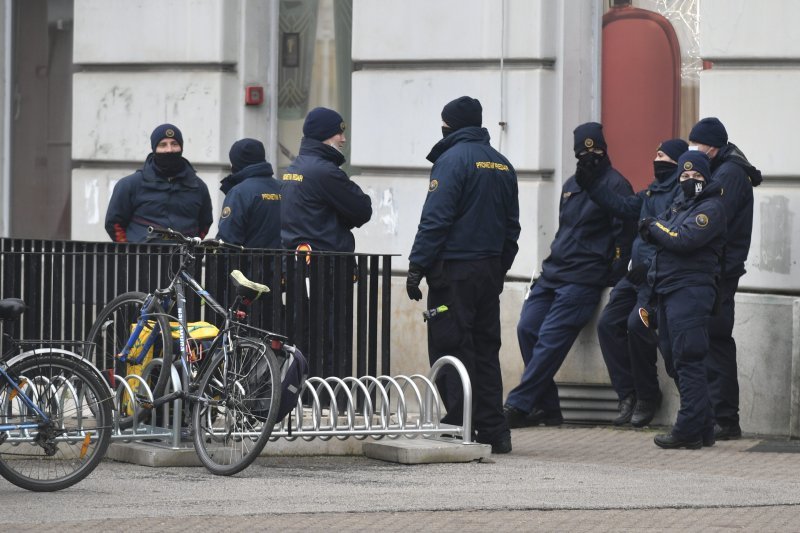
689 238
737 177
320 205
251 212
589 252
164 193
465 244
628 347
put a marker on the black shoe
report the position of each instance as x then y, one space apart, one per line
727 432
515 417
539 417
670 441
625 410
708 437
645 411
502 444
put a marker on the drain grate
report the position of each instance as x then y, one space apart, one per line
587 403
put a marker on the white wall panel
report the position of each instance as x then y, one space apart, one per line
114 113
754 105
156 31
387 30
397 204
397 114
740 29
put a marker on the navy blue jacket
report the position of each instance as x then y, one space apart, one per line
472 208
319 203
145 198
650 202
737 176
251 212
591 246
689 237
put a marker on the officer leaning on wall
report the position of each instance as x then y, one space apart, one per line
589 252
628 348
251 213
164 193
737 177
689 238
465 244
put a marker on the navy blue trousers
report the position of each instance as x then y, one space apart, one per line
550 321
629 348
683 317
723 383
470 331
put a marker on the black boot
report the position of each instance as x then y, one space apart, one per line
626 406
670 441
645 411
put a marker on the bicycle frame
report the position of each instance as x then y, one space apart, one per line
27 401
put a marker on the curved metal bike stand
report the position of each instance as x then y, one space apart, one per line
378 407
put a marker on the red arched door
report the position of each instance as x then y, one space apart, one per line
641 89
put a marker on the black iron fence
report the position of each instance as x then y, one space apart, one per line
335 307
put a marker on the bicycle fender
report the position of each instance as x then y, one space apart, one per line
66 353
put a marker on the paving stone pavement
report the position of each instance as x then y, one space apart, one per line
570 478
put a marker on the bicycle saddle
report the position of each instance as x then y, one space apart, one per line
250 290
11 308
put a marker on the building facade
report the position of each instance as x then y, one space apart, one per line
78 110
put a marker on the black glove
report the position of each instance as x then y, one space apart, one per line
644 229
588 170
638 274
412 281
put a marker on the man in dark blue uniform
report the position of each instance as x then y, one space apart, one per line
689 238
251 213
737 177
164 193
320 205
590 251
465 244
628 347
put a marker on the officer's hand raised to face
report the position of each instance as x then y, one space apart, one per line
412 282
588 169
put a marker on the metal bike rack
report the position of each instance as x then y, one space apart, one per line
378 407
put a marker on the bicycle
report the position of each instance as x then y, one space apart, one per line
234 389
55 412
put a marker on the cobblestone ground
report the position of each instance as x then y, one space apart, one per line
556 479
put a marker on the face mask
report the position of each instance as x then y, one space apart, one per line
697 149
663 169
333 145
169 163
447 130
692 187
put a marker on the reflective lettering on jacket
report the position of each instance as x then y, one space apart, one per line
292 177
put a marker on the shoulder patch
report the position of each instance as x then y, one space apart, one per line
226 212
566 195
433 185
702 220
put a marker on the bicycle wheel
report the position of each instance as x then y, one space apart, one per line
64 450
242 394
110 333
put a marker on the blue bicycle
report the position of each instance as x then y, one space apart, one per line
55 412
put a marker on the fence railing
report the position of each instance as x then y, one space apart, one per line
335 307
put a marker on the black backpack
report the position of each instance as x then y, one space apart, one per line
294 371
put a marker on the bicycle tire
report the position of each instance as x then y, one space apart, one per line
78 404
229 434
110 333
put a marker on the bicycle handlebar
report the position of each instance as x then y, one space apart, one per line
172 235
